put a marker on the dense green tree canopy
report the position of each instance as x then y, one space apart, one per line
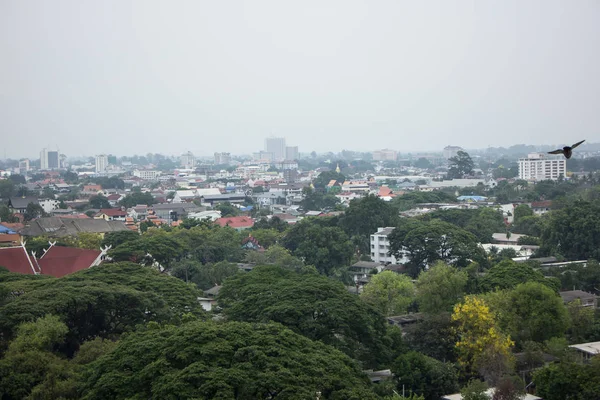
440 288
328 248
389 292
508 274
135 198
568 380
411 199
425 375
460 165
573 231
425 242
222 361
310 304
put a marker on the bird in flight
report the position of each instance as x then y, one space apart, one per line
567 151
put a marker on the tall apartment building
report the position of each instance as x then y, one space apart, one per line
275 146
222 158
451 151
540 166
291 153
49 159
23 166
187 160
101 163
384 155
380 246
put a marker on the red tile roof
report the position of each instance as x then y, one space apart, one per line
60 261
235 222
542 204
16 259
112 212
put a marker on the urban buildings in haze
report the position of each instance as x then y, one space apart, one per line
540 166
276 146
384 155
451 151
291 152
187 160
101 163
49 159
222 158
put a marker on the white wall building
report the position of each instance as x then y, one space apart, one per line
539 167
291 153
384 155
451 151
146 174
380 246
187 160
101 163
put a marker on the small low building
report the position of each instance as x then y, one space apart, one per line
587 299
586 350
490 393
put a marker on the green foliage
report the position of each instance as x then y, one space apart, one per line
325 177
227 209
567 380
99 201
425 242
7 189
327 248
508 274
475 390
6 215
102 301
219 361
530 312
275 255
135 198
114 239
365 215
317 200
33 211
521 211
411 199
272 223
310 304
205 276
267 237
573 231
440 288
481 222
389 292
460 165
435 336
425 375
209 243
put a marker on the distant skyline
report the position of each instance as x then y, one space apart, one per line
137 77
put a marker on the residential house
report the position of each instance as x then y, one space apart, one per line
490 393
503 238
19 204
49 205
362 270
114 199
405 319
176 211
92 190
9 237
586 350
139 212
233 198
111 214
587 299
183 196
237 223
213 215
541 207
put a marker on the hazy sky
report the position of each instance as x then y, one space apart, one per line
127 77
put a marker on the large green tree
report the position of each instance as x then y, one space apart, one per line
425 242
567 380
389 292
508 274
310 304
222 361
327 248
440 288
460 165
573 231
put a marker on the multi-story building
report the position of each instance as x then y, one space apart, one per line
540 166
291 153
264 156
380 246
146 174
275 146
451 151
49 159
384 155
188 161
222 158
101 163
23 166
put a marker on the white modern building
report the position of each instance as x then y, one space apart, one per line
451 151
24 166
187 160
384 155
49 159
146 174
222 158
540 166
275 146
380 246
101 163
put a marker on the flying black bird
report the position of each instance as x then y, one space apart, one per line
567 151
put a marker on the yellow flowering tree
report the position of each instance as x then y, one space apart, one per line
481 347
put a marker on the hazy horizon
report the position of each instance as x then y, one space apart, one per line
137 77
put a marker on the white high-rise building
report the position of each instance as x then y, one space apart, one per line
384 155
540 166
380 247
49 159
451 151
24 166
188 161
275 146
222 158
101 163
291 153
